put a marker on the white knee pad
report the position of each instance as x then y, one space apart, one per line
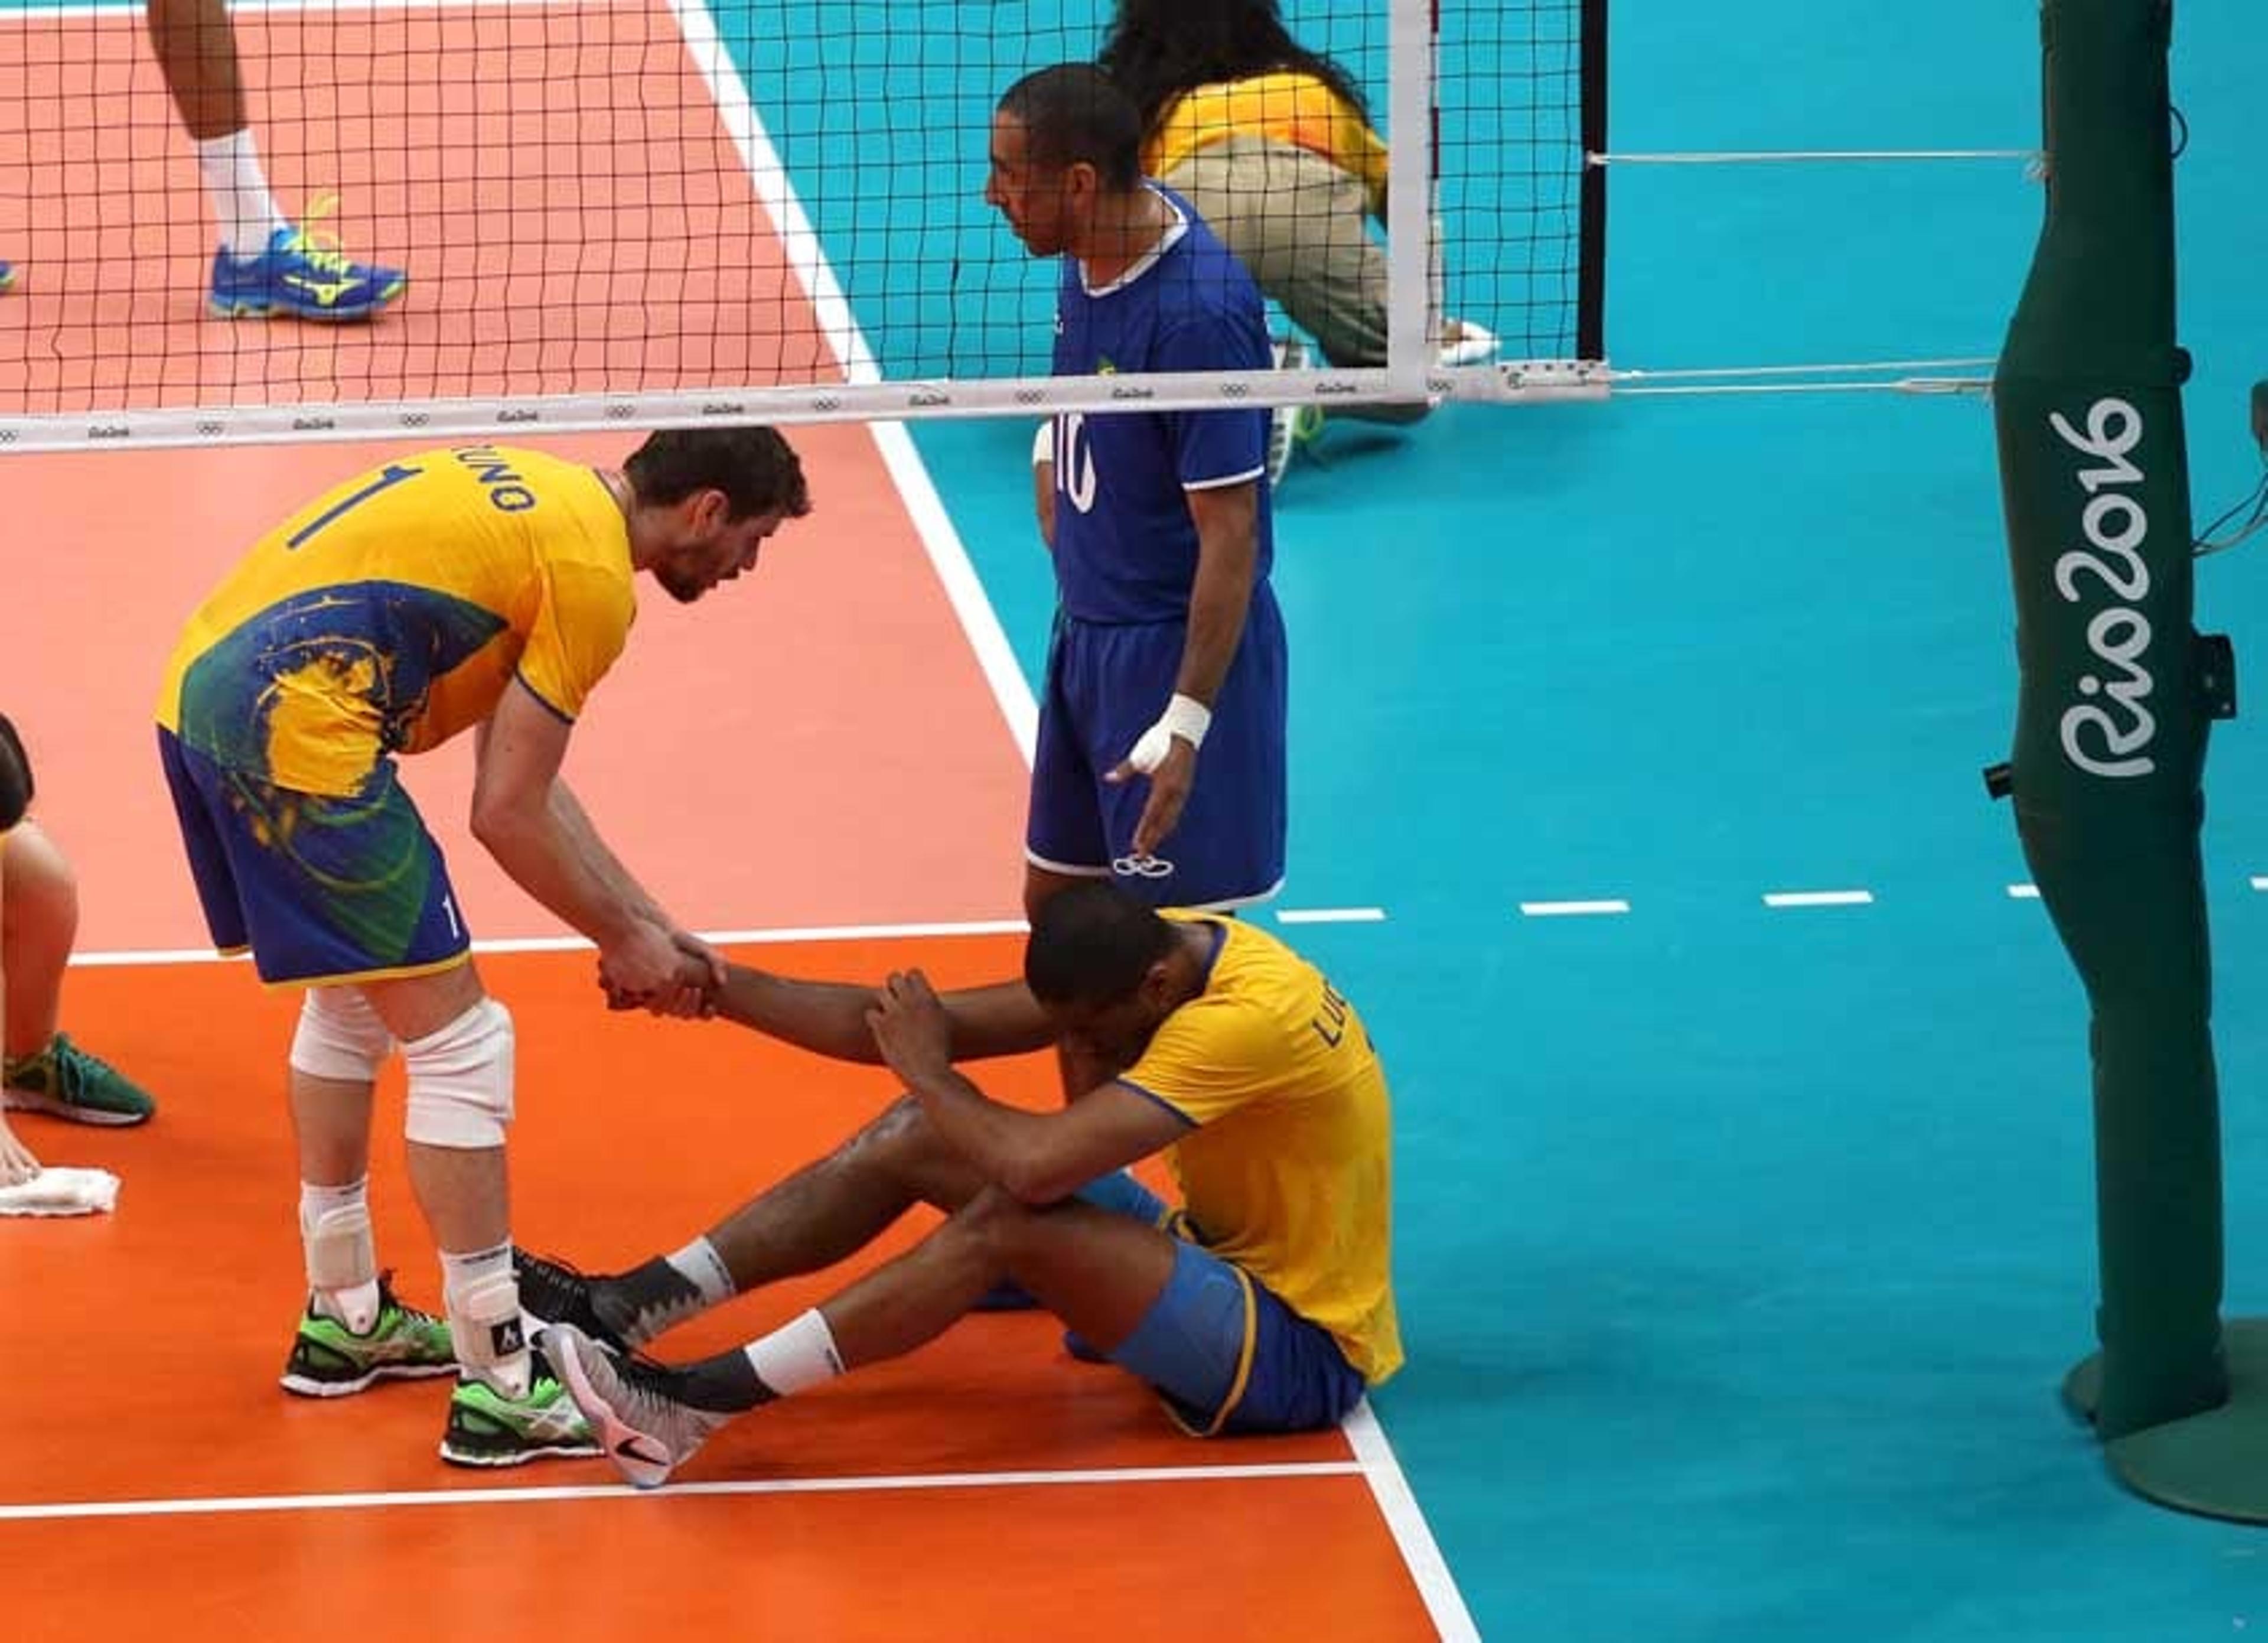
340 1036
460 1081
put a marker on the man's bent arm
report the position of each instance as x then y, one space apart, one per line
1043 1158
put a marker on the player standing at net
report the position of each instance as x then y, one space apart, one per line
264 263
1168 636
1272 144
482 588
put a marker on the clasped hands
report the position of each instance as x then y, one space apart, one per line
655 966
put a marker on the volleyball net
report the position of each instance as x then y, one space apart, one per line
659 212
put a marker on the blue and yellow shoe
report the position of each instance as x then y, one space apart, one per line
7 276
303 274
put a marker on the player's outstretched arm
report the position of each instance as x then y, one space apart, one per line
519 819
831 1018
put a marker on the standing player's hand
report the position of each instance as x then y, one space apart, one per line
1170 782
692 996
643 965
911 1029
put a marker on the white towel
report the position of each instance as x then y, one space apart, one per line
56 1191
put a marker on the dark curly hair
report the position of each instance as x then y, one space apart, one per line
1157 49
756 467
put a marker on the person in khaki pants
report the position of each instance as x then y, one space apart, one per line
1272 144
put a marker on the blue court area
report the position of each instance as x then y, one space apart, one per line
1742 1251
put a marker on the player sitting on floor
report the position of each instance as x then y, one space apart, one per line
1264 1304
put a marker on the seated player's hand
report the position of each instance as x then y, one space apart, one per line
712 962
911 1027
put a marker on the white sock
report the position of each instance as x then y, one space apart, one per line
248 214
699 1264
483 1274
356 1306
798 1354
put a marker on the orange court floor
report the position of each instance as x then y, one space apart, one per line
817 758
155 1479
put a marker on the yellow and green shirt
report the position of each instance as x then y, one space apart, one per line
390 613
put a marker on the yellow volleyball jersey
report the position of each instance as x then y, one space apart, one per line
1289 1171
390 613
1295 108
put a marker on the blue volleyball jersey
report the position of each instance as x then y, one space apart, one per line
1125 546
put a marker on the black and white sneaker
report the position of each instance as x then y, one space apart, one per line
552 1291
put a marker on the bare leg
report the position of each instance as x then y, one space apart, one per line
195 45
821 1213
330 1121
276 266
1097 1272
37 928
1100 1273
464 1192
838 1205
16 1160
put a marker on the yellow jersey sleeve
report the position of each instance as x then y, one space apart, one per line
1212 1056
579 630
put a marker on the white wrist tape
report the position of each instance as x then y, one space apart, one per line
1044 444
1185 717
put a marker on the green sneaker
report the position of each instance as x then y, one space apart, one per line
329 1359
66 1082
486 1428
